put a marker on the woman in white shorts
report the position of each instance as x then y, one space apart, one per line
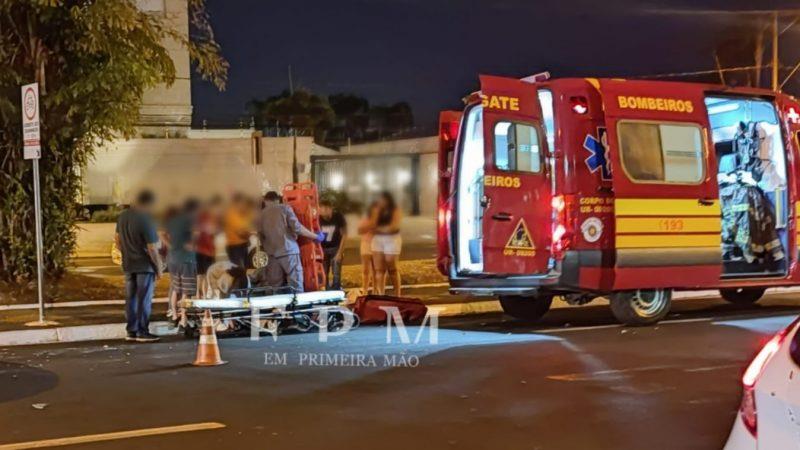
365 229
386 243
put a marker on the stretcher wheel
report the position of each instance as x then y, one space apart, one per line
641 307
742 296
526 308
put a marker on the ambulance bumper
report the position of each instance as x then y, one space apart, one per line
527 285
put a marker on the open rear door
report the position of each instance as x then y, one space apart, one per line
667 210
517 213
790 113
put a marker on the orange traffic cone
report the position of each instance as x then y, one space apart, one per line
207 348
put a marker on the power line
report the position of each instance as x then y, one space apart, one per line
702 72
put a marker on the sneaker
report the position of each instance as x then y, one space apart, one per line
130 337
147 337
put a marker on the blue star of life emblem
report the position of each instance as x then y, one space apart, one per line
598 159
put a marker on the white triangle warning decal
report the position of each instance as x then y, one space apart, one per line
521 238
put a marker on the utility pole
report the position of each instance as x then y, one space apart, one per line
775 62
291 83
295 174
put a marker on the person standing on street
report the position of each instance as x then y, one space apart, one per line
182 258
334 226
237 221
137 240
278 228
365 229
206 226
386 243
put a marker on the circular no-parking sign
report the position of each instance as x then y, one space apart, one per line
30 103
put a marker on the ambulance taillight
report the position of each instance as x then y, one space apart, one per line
449 122
562 230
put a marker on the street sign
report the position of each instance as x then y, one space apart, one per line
32 148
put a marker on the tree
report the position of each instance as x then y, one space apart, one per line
352 117
302 111
392 120
94 60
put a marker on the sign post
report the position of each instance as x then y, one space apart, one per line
32 149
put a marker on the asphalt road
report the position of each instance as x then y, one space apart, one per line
577 381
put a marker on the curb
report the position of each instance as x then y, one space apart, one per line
80 304
82 333
117 331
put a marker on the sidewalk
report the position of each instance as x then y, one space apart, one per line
104 320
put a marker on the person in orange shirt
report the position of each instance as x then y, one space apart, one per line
238 222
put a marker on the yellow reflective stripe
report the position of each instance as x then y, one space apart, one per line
673 240
668 224
664 207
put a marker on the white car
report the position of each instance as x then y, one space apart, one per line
769 417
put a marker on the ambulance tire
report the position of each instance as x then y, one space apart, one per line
526 308
742 296
641 307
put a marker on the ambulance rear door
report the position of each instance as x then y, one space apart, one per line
516 201
667 212
790 114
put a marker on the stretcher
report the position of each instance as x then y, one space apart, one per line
270 310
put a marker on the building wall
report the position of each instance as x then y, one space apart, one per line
405 167
166 111
428 144
175 168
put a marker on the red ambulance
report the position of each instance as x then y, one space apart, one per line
626 189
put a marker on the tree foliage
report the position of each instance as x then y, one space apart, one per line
93 59
334 120
301 111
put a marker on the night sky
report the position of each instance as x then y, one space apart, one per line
430 52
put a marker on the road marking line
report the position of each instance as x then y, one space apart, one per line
58 442
564 330
603 327
604 373
712 368
700 319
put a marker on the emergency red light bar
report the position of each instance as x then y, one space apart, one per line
536 78
579 104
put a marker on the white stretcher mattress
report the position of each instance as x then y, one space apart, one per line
268 301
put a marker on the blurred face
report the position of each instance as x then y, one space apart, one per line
381 202
325 211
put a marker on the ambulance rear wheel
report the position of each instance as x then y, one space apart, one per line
742 296
641 307
526 308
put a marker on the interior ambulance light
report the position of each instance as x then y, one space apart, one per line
579 105
723 108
